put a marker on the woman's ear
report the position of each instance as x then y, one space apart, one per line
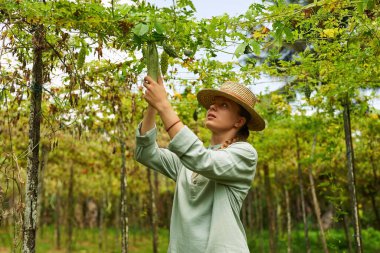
240 122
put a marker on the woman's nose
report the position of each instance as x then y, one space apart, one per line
212 107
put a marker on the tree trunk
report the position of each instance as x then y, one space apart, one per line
351 175
243 215
141 222
271 211
41 189
168 203
256 210
376 184
70 215
347 233
58 217
101 225
156 195
117 220
250 211
300 182
277 209
289 221
317 209
123 201
30 212
153 212
1 205
260 215
375 209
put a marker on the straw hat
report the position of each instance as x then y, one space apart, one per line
237 93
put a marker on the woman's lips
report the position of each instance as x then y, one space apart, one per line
211 116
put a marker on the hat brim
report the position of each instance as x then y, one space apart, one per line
206 98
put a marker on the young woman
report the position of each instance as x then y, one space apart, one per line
211 183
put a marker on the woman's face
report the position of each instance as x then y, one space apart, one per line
223 115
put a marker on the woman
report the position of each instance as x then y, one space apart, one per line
211 183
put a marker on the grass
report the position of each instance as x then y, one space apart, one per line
140 241
90 240
336 241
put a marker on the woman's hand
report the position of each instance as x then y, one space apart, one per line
155 94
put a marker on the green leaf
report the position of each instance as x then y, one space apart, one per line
140 29
360 7
365 3
370 4
158 36
240 49
279 29
255 46
288 33
184 3
159 28
277 25
259 8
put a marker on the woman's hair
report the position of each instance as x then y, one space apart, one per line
243 133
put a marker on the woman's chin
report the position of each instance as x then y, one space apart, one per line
210 125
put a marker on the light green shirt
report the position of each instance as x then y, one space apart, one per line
205 215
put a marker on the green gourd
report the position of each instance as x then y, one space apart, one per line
151 55
170 50
164 62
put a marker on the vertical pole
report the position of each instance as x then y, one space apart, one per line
30 212
351 175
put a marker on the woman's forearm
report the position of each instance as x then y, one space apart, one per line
169 117
149 120
156 96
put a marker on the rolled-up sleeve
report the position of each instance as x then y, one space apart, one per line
235 165
148 153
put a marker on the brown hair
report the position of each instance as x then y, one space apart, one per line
243 133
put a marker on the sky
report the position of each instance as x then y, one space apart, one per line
206 9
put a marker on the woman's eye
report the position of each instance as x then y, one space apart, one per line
224 105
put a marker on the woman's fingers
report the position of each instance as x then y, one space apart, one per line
146 85
148 79
148 99
155 93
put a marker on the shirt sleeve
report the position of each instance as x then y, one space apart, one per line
148 153
235 165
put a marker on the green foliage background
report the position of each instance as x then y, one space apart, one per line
92 100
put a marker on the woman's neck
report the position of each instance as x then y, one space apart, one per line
221 138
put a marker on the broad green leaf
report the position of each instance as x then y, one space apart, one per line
159 28
240 49
255 46
140 29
